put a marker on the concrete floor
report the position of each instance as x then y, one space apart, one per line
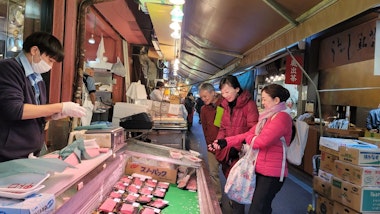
294 197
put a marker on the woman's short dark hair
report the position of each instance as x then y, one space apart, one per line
159 84
46 43
275 90
231 81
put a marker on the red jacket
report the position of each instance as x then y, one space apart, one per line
208 112
236 121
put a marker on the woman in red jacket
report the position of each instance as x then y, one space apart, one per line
240 114
274 123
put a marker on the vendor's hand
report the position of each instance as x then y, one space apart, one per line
58 116
73 109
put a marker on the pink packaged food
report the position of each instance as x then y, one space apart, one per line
131 198
129 209
119 186
115 194
151 183
133 188
146 190
158 203
149 210
108 205
192 184
138 181
159 193
126 179
144 199
163 185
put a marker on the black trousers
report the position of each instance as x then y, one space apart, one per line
266 189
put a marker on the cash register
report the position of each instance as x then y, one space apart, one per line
137 121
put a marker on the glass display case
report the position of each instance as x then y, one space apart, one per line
17 19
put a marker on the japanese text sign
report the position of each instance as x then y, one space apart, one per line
293 73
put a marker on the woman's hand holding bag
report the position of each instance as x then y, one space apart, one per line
241 181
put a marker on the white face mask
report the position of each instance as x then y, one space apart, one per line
40 67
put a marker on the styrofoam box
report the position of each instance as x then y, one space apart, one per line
335 143
35 204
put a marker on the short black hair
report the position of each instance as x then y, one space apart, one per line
231 81
46 43
159 84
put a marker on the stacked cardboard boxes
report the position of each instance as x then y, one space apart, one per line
348 180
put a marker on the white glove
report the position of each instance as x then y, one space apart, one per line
58 116
73 109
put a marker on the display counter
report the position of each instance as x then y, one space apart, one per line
84 188
171 135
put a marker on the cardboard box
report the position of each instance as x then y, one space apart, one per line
372 140
371 134
159 173
324 206
360 156
359 175
361 199
351 132
331 145
322 187
327 162
341 209
35 204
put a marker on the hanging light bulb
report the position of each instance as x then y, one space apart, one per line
177 2
176 35
175 26
176 61
91 40
176 14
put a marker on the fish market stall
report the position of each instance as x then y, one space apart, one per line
92 192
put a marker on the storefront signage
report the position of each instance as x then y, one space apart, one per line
293 73
353 45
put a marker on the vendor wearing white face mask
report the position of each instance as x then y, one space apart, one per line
23 102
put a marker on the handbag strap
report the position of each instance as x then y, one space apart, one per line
283 154
283 158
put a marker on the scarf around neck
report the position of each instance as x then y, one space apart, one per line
267 113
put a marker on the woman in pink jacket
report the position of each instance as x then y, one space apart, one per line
273 124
